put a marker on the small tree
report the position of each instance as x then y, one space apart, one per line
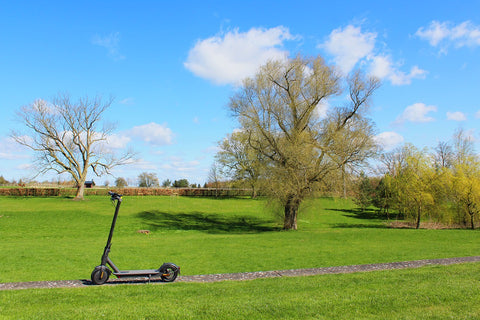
148 180
239 161
182 183
383 195
214 177
166 183
121 182
466 191
364 193
3 181
415 184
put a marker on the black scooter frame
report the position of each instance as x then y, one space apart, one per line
168 272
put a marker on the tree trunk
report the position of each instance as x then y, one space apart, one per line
344 181
291 210
419 213
254 192
472 223
80 191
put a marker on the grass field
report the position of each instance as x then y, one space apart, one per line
56 238
428 293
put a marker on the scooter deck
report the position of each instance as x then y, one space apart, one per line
137 273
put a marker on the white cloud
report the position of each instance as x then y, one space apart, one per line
231 57
456 116
417 112
11 150
349 46
116 141
389 140
382 67
177 166
142 164
127 101
446 34
214 149
322 108
153 133
477 115
111 43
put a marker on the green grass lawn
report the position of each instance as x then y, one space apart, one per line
427 293
56 238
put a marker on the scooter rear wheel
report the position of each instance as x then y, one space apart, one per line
169 272
100 275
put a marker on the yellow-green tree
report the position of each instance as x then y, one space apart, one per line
239 161
466 191
277 110
414 184
465 181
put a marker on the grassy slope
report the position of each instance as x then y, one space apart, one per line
53 238
56 238
427 293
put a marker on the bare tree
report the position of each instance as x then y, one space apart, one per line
148 180
70 137
215 177
444 155
277 110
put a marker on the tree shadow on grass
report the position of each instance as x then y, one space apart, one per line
361 215
209 223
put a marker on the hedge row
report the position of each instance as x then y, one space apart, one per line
65 192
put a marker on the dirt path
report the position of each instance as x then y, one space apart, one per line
247 275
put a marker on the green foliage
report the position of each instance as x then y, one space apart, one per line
364 193
240 162
382 195
442 187
3 181
166 183
182 183
121 182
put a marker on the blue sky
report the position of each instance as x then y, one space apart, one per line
172 66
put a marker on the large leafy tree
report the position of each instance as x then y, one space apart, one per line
70 137
277 110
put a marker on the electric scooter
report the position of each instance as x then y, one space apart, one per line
168 272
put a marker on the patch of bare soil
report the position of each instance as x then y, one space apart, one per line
424 225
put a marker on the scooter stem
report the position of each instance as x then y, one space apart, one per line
110 235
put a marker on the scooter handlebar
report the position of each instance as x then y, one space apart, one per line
115 196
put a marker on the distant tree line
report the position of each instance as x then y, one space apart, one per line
150 180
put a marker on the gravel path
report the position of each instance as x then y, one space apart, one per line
247 275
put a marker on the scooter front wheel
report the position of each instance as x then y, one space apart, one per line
169 272
100 275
